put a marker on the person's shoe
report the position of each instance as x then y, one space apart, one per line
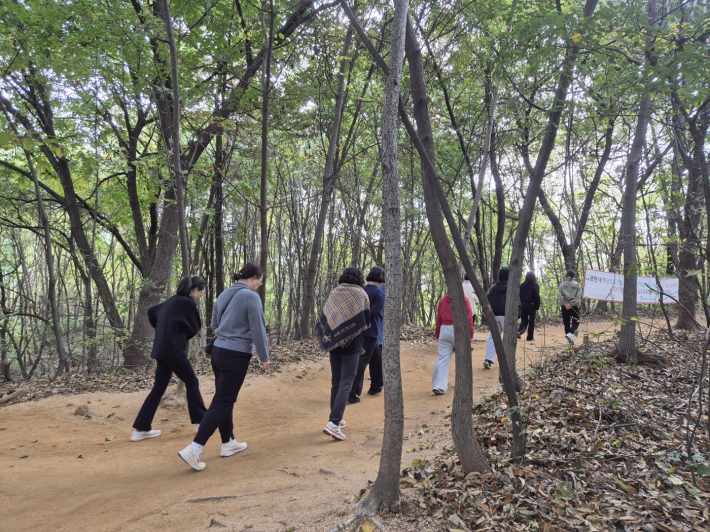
331 429
487 364
231 448
342 424
139 435
570 338
197 427
369 378
353 399
192 459
520 335
373 391
437 391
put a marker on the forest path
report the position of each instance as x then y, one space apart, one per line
59 472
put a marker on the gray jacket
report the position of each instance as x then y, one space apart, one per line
238 321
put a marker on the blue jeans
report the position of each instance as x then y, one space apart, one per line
343 368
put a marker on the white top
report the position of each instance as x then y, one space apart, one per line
471 295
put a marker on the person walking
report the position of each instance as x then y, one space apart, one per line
175 321
529 305
376 379
444 333
496 298
375 279
239 326
345 316
471 295
570 296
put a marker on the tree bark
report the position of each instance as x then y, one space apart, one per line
627 235
467 447
386 487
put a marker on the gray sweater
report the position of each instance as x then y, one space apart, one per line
238 322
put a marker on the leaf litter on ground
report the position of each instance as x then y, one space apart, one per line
606 449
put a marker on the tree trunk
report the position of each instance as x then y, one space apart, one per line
526 213
386 487
627 235
153 289
263 187
467 447
329 176
175 145
49 255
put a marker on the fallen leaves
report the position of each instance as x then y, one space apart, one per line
606 449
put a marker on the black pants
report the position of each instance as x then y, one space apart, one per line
343 368
230 369
164 370
527 320
369 344
376 381
570 319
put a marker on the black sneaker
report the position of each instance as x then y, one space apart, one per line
353 399
373 391
520 335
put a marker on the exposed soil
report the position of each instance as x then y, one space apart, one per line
60 471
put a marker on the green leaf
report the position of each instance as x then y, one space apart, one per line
561 492
4 139
702 470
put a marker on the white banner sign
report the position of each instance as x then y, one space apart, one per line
606 286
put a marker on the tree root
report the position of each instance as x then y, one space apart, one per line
357 520
639 358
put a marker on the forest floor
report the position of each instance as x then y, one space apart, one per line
66 472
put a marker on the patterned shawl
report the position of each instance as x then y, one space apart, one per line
345 315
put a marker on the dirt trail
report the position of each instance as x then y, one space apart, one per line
59 472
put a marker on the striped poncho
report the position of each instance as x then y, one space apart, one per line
345 315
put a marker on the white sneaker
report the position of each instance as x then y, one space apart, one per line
192 459
333 430
487 364
233 447
139 435
570 338
342 424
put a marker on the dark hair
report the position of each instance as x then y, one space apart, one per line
376 275
188 283
530 277
465 277
571 274
352 275
249 270
503 274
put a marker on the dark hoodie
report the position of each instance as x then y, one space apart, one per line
496 297
175 322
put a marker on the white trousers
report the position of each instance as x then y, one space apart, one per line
490 347
440 379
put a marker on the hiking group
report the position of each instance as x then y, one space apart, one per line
569 297
349 328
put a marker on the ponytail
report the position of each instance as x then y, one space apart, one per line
249 270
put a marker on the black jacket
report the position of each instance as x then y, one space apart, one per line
496 297
530 295
175 322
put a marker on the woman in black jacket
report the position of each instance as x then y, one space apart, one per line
175 322
529 305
